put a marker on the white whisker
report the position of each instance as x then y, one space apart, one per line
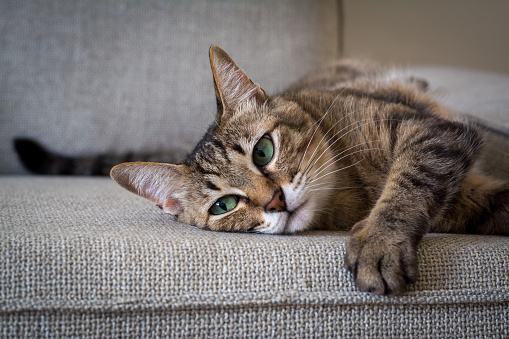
318 148
305 151
334 160
338 170
331 144
316 185
317 127
331 188
351 130
204 104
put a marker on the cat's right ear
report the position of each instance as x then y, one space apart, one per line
233 87
161 183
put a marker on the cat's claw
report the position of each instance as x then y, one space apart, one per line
378 264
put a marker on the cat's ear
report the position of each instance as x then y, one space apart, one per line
233 87
161 183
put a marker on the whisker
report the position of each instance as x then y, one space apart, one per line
198 128
311 164
322 210
351 130
323 184
338 170
319 169
330 183
331 188
321 119
309 143
206 107
324 136
317 127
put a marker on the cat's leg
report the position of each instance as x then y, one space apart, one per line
481 207
429 164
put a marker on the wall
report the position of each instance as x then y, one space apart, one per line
464 33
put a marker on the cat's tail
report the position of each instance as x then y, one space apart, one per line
38 159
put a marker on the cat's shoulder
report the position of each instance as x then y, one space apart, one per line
335 74
356 74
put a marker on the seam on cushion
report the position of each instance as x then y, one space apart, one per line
261 300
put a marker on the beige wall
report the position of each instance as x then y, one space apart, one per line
465 33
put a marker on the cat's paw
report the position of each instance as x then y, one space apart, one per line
380 263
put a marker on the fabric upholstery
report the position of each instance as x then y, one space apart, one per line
94 76
476 93
83 256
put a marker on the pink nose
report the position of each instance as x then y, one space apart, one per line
277 204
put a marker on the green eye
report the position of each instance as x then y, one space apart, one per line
263 151
224 204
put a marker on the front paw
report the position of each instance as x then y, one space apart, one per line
381 263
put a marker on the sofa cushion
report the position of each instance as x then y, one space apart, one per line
94 76
81 256
480 94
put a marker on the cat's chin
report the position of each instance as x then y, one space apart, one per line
299 219
289 222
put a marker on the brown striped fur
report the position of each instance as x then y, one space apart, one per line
353 150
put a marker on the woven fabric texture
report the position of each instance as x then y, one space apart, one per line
94 76
81 256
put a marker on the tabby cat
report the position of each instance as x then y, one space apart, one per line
345 148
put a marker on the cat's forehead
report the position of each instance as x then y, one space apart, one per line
218 151
247 122
252 121
225 151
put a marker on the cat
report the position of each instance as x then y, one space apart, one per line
39 160
344 148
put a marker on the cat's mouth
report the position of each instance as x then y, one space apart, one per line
298 218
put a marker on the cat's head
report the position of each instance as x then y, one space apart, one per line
258 167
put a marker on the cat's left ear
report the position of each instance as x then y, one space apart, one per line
163 184
233 87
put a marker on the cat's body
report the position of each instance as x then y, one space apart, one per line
344 148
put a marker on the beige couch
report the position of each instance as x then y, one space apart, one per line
81 257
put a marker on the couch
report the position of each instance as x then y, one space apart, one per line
81 257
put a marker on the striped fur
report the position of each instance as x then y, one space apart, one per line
354 149
37 159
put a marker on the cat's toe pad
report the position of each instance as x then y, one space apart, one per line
379 264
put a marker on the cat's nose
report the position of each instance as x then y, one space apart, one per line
277 204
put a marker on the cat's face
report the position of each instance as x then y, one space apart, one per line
247 175
259 168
